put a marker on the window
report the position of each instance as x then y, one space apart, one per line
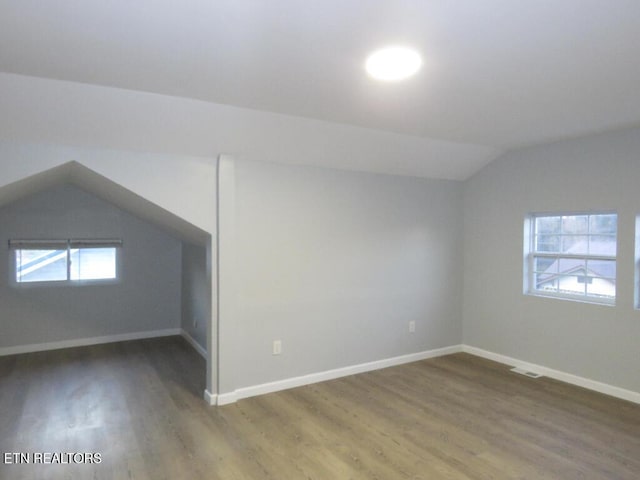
572 256
65 260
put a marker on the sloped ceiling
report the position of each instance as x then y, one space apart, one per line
497 74
78 175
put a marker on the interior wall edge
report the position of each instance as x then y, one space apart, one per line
191 341
210 398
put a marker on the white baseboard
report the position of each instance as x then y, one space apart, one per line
245 392
198 348
227 398
556 374
210 398
83 342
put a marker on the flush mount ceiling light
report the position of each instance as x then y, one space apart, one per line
393 63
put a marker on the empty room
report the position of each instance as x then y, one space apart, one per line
320 240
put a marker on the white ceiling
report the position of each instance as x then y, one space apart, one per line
497 73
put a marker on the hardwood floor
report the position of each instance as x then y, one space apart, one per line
139 404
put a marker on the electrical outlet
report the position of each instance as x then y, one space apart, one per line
412 326
277 347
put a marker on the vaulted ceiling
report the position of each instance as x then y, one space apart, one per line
496 73
76 174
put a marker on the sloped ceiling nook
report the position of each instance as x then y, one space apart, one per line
75 173
191 312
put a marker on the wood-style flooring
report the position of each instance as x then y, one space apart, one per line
139 404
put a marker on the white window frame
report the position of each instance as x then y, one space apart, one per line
68 245
531 254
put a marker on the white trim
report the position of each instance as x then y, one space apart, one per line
246 392
210 398
83 342
526 373
556 374
226 296
227 398
531 253
198 348
603 302
252 391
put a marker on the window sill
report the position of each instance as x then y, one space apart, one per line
590 301
65 283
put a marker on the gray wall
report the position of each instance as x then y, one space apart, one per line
594 173
146 298
335 264
196 292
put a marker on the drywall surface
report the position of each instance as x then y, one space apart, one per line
596 173
42 110
182 185
196 291
146 296
336 264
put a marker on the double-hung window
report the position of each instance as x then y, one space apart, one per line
572 256
70 260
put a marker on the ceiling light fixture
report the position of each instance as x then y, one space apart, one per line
393 63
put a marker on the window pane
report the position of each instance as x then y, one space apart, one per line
546 265
602 268
604 224
546 282
572 266
602 288
41 265
547 243
548 225
603 245
575 224
93 263
576 244
571 284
